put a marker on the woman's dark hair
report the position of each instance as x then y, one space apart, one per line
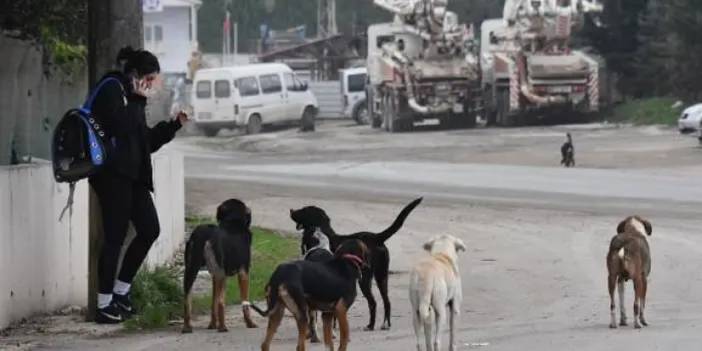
141 61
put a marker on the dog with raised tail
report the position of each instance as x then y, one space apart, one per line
436 291
629 258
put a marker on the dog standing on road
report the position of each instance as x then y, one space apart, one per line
311 219
301 286
629 257
568 152
320 252
226 251
435 286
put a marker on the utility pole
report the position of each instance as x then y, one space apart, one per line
326 18
112 25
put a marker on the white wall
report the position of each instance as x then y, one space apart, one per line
177 46
44 263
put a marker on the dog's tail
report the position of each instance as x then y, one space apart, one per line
194 254
399 221
270 301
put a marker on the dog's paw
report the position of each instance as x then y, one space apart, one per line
385 327
369 328
223 330
613 326
644 323
315 340
251 325
211 326
187 330
623 323
637 326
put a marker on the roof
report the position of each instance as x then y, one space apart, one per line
256 68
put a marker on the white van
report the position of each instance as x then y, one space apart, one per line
353 93
251 96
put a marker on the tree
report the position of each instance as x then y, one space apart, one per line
652 60
685 65
112 25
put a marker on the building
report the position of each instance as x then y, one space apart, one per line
170 32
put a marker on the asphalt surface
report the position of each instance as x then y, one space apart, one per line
534 276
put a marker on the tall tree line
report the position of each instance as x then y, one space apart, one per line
653 45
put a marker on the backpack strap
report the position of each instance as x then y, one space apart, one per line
69 202
88 105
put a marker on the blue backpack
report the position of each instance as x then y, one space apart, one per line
78 146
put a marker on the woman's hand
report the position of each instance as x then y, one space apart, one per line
142 87
182 117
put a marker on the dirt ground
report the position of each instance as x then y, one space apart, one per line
534 275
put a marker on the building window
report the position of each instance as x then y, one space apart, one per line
153 37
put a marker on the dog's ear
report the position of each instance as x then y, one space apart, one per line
460 245
621 226
647 225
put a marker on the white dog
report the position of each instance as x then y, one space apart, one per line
435 287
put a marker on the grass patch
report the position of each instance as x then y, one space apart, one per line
646 111
158 293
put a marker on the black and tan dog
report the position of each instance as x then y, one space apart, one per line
226 251
311 218
629 257
319 252
304 286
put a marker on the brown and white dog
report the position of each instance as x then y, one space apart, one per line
435 287
629 257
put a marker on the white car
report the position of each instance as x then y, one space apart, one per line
250 97
690 119
353 94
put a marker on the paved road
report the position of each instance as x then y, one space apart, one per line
534 275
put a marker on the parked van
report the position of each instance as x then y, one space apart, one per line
353 93
250 97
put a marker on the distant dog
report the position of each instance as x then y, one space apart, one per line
302 286
435 286
629 257
311 218
568 152
226 251
321 252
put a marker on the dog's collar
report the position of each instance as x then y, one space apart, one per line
357 261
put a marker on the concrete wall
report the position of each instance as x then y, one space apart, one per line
43 262
31 101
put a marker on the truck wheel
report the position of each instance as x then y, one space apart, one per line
255 125
360 113
394 124
209 131
503 117
307 122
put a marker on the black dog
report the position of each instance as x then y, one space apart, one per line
320 252
226 251
302 286
311 218
568 152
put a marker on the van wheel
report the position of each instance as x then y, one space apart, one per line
307 121
255 125
360 113
209 131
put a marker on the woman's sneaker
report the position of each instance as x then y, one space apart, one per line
109 315
124 302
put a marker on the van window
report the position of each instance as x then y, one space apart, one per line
289 81
222 89
248 86
382 39
357 82
270 84
203 90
